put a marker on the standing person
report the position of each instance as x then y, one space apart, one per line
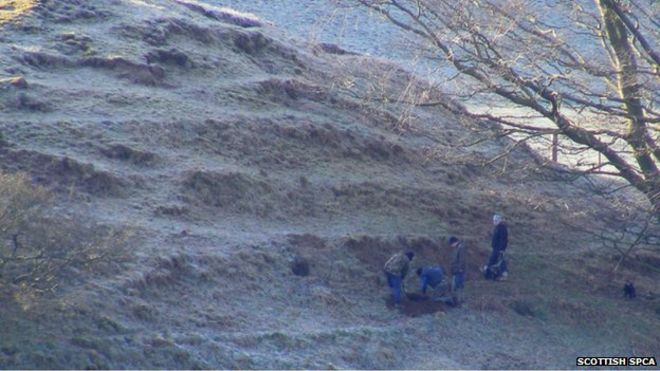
497 267
458 265
396 269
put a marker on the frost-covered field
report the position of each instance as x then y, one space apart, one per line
338 22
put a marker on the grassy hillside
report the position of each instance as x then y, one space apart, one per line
232 153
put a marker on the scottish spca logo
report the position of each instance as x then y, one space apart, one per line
616 361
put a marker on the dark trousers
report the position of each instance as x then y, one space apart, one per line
394 282
495 258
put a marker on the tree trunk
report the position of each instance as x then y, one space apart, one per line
624 61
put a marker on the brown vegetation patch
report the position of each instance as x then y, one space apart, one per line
224 189
11 9
251 43
67 11
371 251
291 89
644 263
135 72
22 101
309 133
64 174
374 251
269 55
125 153
72 43
344 142
249 193
166 271
43 250
44 60
375 195
333 49
172 210
171 56
18 82
307 241
160 31
382 149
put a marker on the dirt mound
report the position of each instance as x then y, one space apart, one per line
420 305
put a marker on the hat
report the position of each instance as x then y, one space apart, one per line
452 240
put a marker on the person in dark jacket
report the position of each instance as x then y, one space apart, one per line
497 267
458 268
396 269
430 276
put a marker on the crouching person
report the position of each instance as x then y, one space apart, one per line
458 265
396 269
431 276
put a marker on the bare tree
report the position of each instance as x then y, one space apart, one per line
586 70
38 251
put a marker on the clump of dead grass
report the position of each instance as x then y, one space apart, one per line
66 174
11 9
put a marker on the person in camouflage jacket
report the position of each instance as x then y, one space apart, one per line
396 269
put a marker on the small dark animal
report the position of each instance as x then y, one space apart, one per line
629 290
